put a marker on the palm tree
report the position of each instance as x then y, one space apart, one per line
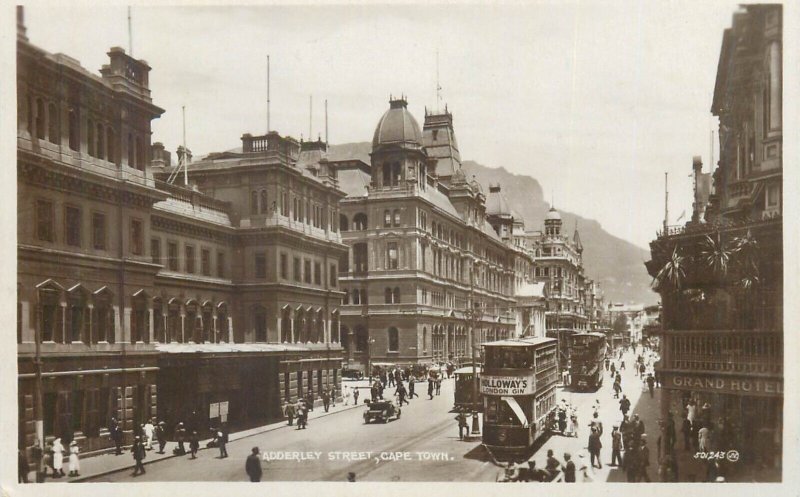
715 255
746 250
671 276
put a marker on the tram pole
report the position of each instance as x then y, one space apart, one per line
473 318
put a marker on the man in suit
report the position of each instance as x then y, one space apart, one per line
253 466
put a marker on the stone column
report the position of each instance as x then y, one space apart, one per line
150 327
183 321
230 329
126 327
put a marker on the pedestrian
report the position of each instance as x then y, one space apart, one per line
608 363
616 446
573 423
624 405
626 428
411 384
430 388
351 477
74 461
621 365
568 468
58 458
291 412
644 460
613 368
401 394
253 466
650 384
47 460
326 400
463 426
686 429
302 415
149 430
617 389
594 447
139 453
638 428
562 420
552 466
161 435
224 435
23 467
704 439
438 386
116 435
355 396
194 444
631 462
180 437
332 394
596 423
587 474
310 401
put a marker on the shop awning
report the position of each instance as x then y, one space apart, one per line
512 403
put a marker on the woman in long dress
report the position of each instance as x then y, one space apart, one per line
149 430
573 423
74 462
58 458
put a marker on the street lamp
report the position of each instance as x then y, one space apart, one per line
370 341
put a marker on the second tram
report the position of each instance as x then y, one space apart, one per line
518 384
464 393
587 353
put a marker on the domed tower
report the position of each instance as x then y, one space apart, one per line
398 157
499 212
552 223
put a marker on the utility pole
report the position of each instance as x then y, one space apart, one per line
268 128
185 151
39 414
474 316
130 33
666 202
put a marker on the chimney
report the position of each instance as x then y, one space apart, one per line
21 29
125 72
157 153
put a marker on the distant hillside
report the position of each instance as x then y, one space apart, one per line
617 264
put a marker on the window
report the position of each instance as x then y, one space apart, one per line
40 118
333 276
155 250
396 295
172 256
424 338
74 131
387 296
284 267
205 262
220 264
72 226
140 154
307 271
394 339
131 153
317 273
391 255
261 266
189 252
254 202
52 123
387 218
90 139
360 222
396 216
44 220
343 222
78 320
360 257
435 134
263 202
110 144
260 323
140 320
103 318
136 237
99 231
296 268
101 152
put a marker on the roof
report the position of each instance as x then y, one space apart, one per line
353 182
186 348
497 203
181 207
552 215
521 342
397 126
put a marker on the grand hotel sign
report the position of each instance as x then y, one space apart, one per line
768 387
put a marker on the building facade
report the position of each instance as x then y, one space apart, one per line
425 266
138 298
720 275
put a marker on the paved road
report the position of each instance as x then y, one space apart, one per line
422 445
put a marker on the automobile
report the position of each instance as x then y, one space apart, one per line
381 410
352 374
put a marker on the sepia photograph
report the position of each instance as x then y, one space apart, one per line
397 243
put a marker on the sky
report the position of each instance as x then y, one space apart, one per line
595 100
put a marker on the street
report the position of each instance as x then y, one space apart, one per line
422 445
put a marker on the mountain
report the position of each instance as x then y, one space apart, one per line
616 263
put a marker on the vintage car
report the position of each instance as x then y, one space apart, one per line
381 410
352 374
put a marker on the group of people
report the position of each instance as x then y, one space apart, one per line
52 459
299 410
568 470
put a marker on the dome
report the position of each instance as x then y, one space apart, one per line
397 127
553 215
497 203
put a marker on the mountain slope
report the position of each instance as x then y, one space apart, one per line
617 264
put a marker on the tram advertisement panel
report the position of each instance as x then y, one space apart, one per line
508 385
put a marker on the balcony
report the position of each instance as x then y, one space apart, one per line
750 353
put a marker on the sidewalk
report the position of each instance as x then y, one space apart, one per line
92 467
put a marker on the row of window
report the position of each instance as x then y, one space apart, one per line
308 212
101 140
73 228
189 258
301 270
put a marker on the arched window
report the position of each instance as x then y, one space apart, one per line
395 173
191 327
263 202
360 257
222 323
396 295
78 315
253 202
140 322
53 124
396 217
394 339
387 218
74 130
343 222
424 338
174 322
207 317
387 174
259 323
286 325
360 222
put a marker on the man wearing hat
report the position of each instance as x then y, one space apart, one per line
568 468
253 466
552 465
644 460
616 446
594 447
139 453
161 436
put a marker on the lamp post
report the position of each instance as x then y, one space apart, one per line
370 341
38 451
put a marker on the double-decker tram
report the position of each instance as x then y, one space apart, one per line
518 384
464 392
587 352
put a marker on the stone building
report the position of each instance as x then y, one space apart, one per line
425 265
138 298
720 276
